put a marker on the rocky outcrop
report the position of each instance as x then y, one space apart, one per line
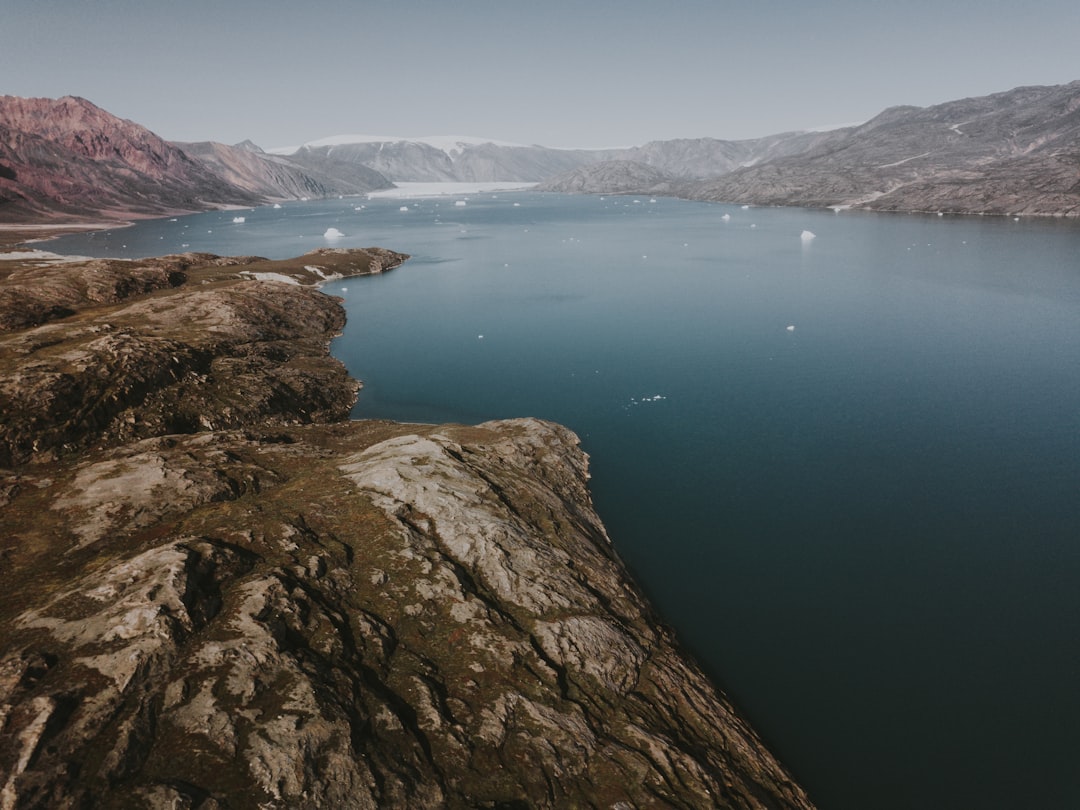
276 607
170 345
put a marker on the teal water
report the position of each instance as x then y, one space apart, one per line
866 527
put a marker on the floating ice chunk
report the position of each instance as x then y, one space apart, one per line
517 205
746 208
173 219
753 225
460 203
791 327
726 217
277 205
808 236
652 200
332 233
479 337
404 208
239 220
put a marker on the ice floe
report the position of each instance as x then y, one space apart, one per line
726 217
332 233
808 236
239 220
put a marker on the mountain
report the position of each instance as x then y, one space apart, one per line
441 159
221 592
611 177
697 158
1012 152
664 167
274 177
68 158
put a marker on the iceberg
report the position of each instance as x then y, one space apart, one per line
726 217
404 208
460 203
239 220
333 233
277 205
807 236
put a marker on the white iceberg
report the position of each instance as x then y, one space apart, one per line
726 217
239 220
460 203
808 236
404 209
333 233
791 327
277 205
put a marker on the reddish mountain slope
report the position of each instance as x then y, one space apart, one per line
67 158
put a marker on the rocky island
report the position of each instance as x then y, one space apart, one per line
219 592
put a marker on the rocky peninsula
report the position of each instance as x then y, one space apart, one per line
222 593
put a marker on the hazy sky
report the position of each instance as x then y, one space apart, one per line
588 73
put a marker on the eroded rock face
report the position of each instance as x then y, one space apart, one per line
340 614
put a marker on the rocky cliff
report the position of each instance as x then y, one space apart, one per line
220 593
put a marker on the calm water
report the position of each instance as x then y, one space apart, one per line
866 526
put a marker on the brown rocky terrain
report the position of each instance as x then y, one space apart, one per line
221 593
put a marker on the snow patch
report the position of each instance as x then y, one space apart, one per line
278 277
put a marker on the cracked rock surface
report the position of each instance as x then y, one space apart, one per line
301 612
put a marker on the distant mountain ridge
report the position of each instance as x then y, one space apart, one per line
69 159
446 158
1016 152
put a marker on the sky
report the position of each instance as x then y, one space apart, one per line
588 73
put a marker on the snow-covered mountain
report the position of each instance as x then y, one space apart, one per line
443 158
